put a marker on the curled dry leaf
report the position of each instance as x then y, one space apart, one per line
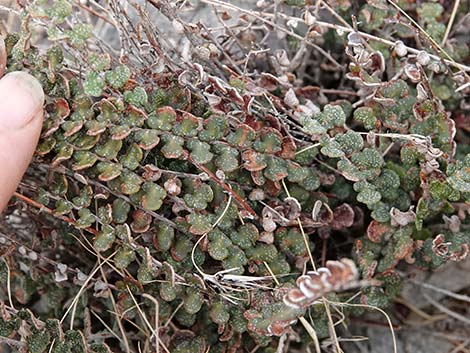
316 210
336 276
173 186
266 237
282 57
343 217
376 230
421 93
460 255
60 274
439 246
267 222
442 248
423 58
151 172
400 48
257 195
291 99
453 223
413 73
292 209
354 39
3 56
268 81
399 218
326 214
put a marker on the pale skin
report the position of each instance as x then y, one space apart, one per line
21 116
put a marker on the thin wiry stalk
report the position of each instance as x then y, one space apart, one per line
10 299
118 318
451 21
445 310
344 29
84 285
387 317
145 319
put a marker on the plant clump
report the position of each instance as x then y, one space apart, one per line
174 192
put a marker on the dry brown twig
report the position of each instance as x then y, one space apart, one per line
341 28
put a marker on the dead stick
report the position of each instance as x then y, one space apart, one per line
51 212
219 182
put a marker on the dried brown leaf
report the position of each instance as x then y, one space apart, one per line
336 276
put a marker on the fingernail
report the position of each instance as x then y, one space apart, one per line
21 98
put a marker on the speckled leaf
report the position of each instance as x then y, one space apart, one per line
94 84
173 147
118 77
152 196
187 125
120 132
132 158
242 136
99 62
200 224
64 152
253 161
124 257
46 146
270 141
80 33
121 210
146 138
108 171
162 119
200 151
109 149
105 239
227 158
86 218
137 97
128 183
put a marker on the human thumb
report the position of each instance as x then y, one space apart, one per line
21 114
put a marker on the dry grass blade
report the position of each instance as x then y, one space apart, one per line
451 21
449 312
434 43
146 321
461 346
84 285
448 293
118 318
260 17
311 332
387 317
106 325
10 299
156 329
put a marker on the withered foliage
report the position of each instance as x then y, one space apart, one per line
334 277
